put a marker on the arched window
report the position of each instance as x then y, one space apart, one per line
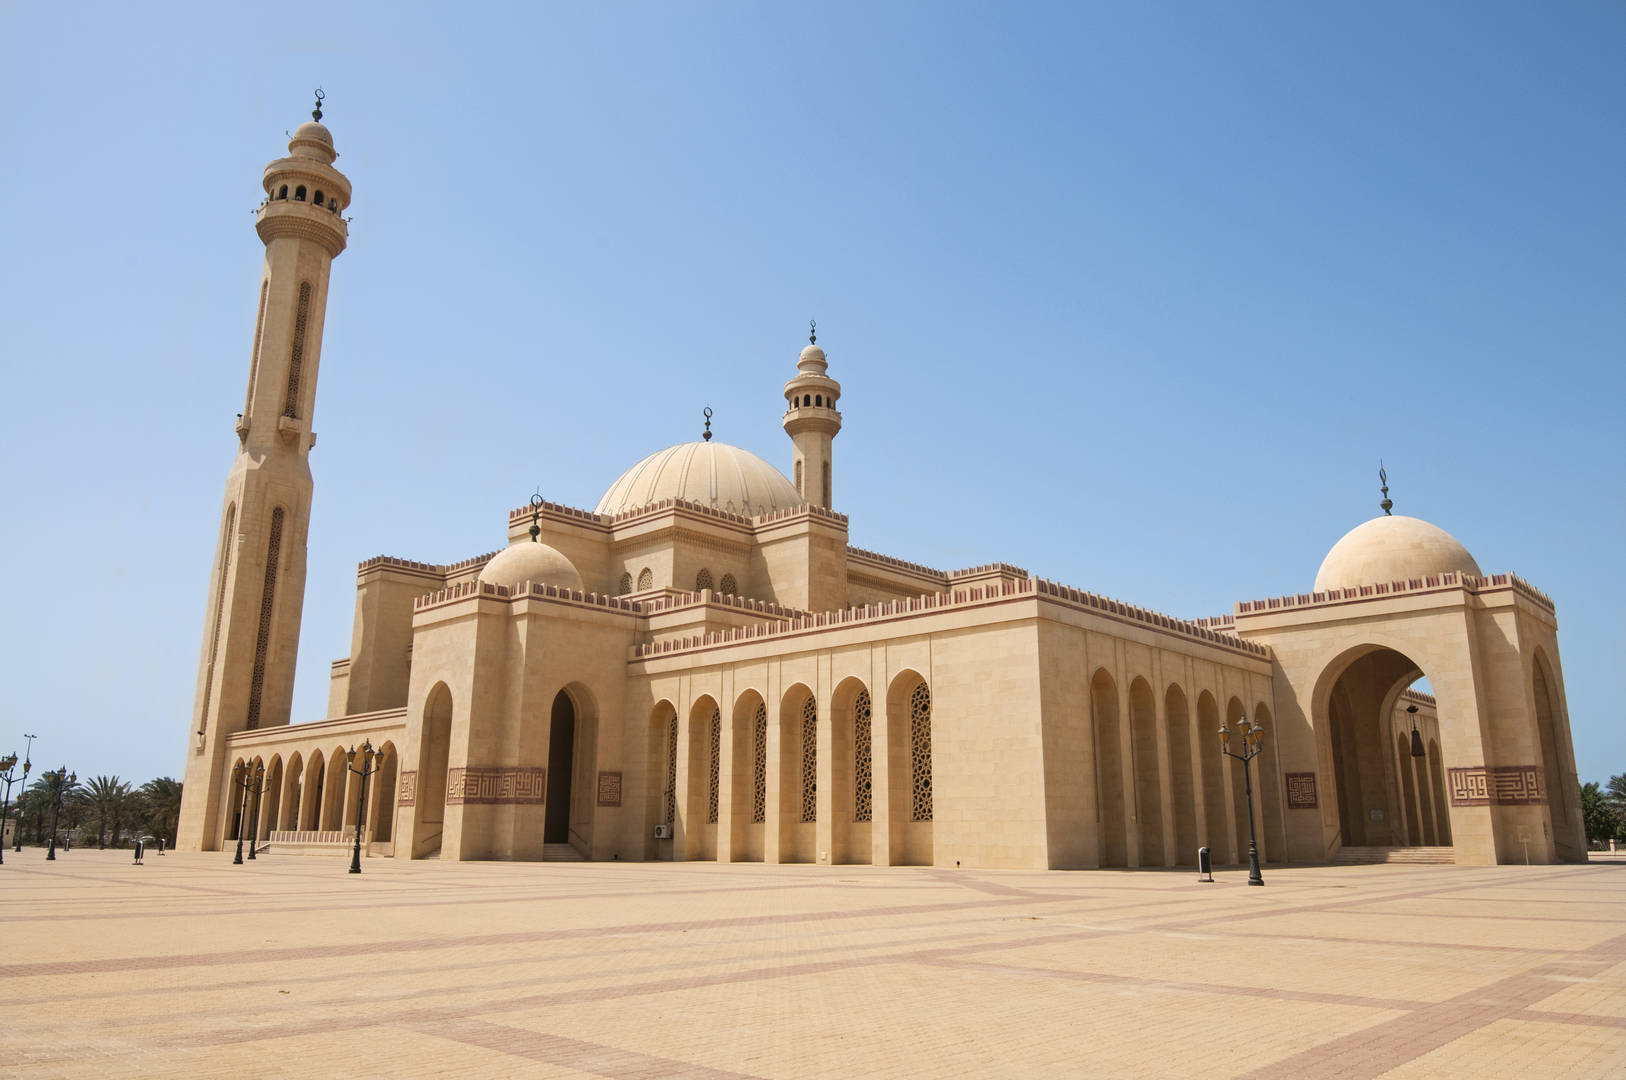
920 752
716 765
759 766
318 199
299 192
262 640
810 760
296 354
702 580
818 399
729 586
624 586
807 399
646 580
282 192
799 490
671 772
826 483
863 780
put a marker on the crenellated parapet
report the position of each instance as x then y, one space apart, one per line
861 555
996 592
678 601
464 590
1411 586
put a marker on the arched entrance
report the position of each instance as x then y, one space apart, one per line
561 769
1387 795
434 751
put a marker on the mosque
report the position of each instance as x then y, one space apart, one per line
702 667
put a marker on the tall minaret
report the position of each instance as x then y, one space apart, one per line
257 586
812 422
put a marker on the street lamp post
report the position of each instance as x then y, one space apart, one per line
27 758
240 777
368 767
7 764
60 781
257 789
1253 743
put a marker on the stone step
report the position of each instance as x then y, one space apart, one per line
561 853
1410 856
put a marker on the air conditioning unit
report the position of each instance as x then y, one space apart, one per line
663 832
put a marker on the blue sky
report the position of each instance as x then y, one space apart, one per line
1133 296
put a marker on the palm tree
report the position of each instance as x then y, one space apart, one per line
1616 791
163 797
104 793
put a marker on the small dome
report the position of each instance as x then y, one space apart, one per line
1392 549
711 473
812 360
312 140
529 560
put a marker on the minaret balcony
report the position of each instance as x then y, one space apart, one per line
278 218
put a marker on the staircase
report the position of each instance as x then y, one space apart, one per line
561 853
1408 856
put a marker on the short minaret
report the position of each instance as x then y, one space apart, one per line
257 585
812 422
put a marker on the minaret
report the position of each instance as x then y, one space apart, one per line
812 422
257 585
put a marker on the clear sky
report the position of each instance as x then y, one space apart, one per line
1134 296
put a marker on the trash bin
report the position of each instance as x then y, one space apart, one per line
1205 865
138 849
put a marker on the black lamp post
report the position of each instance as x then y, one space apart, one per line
368 767
59 782
7 764
27 755
1253 743
240 777
257 789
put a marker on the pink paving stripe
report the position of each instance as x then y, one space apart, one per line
570 1053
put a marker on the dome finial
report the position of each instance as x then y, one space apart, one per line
316 113
1383 478
707 433
812 331
536 512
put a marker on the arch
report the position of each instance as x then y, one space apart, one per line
561 770
1148 781
646 579
818 400
661 779
1436 779
310 797
268 597
434 755
1411 819
826 483
386 782
1182 778
1109 764
798 773
293 781
702 796
234 796
1234 712
294 391
317 198
1268 782
807 400
747 779
336 794
911 785
702 580
624 586
798 480
851 772
270 799
728 586
1215 815
282 192
299 193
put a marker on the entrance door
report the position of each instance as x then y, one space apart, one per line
561 763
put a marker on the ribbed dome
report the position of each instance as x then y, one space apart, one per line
530 560
712 473
1392 549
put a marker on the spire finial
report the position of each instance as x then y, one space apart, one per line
812 331
536 512
1383 478
707 433
316 113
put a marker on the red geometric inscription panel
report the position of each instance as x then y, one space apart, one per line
609 789
1301 791
476 786
1502 785
409 788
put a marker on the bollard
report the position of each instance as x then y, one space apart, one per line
1205 865
138 848
160 845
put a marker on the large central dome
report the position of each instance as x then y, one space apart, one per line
1389 549
712 473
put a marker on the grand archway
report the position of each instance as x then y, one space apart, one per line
1388 791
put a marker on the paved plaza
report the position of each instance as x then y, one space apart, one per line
288 966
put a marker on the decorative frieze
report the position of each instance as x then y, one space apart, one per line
1301 794
496 786
1500 785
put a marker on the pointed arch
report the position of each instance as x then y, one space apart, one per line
1109 780
1215 816
292 784
1148 799
270 798
310 799
1268 780
381 801
646 579
912 804
1234 712
1183 779
798 773
748 780
851 771
434 756
660 794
